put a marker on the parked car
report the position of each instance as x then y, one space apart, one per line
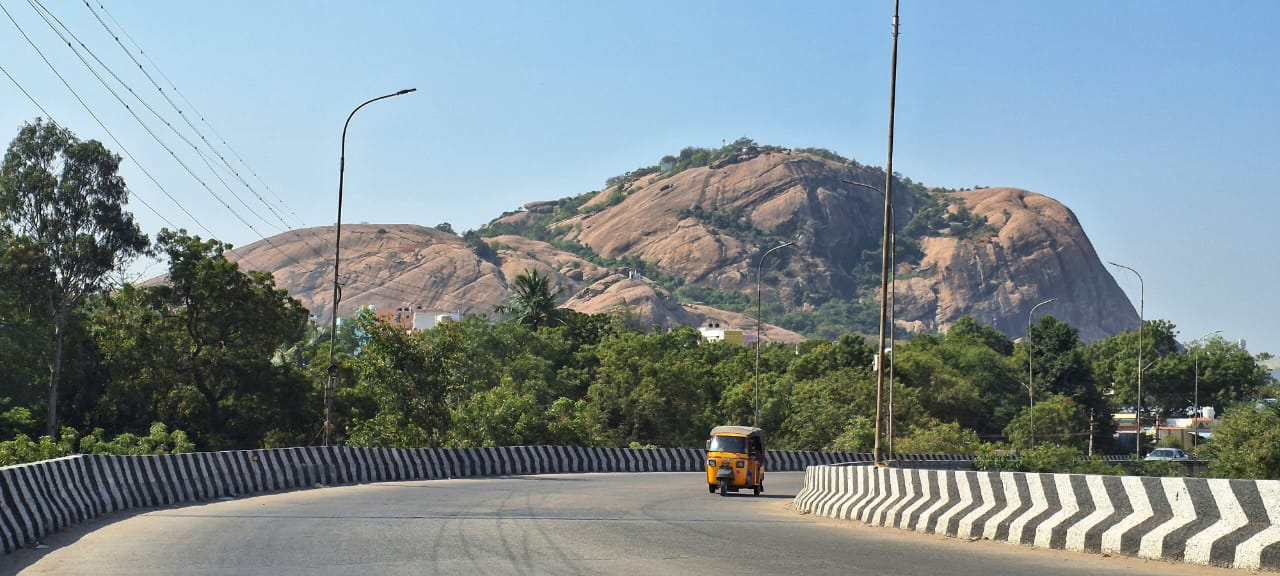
1168 454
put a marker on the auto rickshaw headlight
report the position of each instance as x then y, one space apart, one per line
742 464
711 462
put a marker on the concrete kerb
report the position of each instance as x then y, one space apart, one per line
1231 523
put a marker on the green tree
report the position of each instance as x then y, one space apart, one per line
734 367
23 325
137 342
1228 375
404 385
966 328
471 383
506 415
1246 444
961 378
15 420
1058 420
197 351
1114 361
533 301
827 406
66 197
1060 365
933 437
654 388
848 352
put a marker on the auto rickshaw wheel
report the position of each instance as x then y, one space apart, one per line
724 487
711 488
756 490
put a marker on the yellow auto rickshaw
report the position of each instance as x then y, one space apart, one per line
735 459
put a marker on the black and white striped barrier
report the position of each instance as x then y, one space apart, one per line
41 497
1234 523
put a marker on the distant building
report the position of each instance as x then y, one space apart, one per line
713 332
1188 431
414 319
426 320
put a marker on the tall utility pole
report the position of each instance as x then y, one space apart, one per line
878 454
1137 412
755 420
1030 387
893 278
1195 416
332 385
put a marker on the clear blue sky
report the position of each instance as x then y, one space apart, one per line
1156 122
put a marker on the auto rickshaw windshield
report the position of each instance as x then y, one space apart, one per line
735 444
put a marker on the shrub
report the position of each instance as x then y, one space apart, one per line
933 437
1045 458
159 440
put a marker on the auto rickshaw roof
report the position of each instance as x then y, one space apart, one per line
737 431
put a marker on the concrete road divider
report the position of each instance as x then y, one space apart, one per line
1233 523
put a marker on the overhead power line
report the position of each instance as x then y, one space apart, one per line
182 114
50 21
55 123
101 124
193 108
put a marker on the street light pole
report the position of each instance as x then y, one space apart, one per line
893 278
1195 416
755 419
1030 387
332 385
1137 412
877 453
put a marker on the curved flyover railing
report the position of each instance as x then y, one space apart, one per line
42 497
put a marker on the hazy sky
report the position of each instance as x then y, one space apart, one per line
1155 121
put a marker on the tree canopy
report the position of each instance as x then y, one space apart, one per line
62 202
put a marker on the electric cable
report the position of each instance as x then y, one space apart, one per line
192 126
50 19
144 125
133 195
103 125
190 105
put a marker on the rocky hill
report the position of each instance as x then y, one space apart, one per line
680 243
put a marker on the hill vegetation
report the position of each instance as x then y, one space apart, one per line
217 357
829 313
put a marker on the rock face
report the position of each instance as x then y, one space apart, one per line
1040 252
697 224
395 266
388 266
709 227
647 305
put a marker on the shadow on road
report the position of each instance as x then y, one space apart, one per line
764 495
33 552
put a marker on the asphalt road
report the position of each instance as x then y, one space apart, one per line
646 524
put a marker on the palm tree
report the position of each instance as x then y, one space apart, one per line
533 302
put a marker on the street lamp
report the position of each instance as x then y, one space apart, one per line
1137 411
885 242
755 420
1195 437
337 246
1030 389
890 224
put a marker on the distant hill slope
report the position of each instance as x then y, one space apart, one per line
682 246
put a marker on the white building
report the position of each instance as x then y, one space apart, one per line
426 320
